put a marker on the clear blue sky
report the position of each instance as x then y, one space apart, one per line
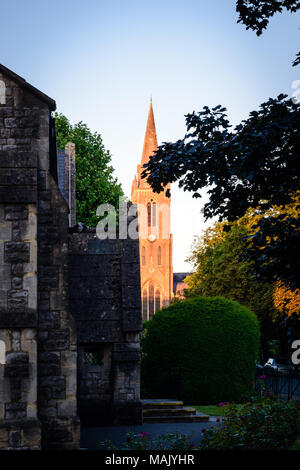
101 61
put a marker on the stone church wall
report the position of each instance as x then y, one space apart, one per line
38 369
52 281
104 299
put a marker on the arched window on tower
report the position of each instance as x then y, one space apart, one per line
145 305
2 352
143 256
157 300
151 300
159 256
154 214
149 213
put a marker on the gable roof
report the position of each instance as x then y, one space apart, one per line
177 278
22 82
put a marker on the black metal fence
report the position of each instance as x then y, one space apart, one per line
285 386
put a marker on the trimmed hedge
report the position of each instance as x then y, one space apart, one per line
200 350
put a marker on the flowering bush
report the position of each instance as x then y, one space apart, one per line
261 424
264 424
144 441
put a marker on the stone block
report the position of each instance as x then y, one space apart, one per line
57 340
3 299
17 365
31 410
67 408
32 437
17 299
25 194
56 386
16 252
16 283
16 341
69 359
3 436
15 438
49 369
30 285
15 410
50 357
17 269
16 212
5 231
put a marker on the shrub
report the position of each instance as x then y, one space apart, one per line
265 424
144 441
200 350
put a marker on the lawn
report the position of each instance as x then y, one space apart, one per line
213 410
296 445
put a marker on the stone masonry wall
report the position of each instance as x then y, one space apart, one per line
57 378
105 302
35 325
19 424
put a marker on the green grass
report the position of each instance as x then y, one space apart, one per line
296 445
213 410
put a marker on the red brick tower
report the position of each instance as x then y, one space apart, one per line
155 237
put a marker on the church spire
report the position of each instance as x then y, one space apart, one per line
150 142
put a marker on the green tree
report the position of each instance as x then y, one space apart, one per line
95 180
255 14
254 165
219 271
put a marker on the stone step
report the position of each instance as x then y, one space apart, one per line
156 404
197 418
169 412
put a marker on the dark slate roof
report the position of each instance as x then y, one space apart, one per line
22 82
179 277
61 171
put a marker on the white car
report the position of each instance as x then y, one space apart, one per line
280 365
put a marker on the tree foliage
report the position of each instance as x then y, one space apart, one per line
255 14
95 181
219 271
200 350
254 165
287 302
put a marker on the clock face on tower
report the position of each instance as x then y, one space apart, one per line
152 237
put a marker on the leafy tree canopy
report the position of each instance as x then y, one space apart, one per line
218 271
254 165
95 181
255 14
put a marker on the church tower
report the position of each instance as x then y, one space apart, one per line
154 229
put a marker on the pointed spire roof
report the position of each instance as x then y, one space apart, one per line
150 142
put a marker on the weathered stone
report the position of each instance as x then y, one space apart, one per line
15 410
50 357
16 252
3 434
16 212
16 283
32 437
17 299
17 269
67 408
17 365
15 438
16 341
53 387
57 340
